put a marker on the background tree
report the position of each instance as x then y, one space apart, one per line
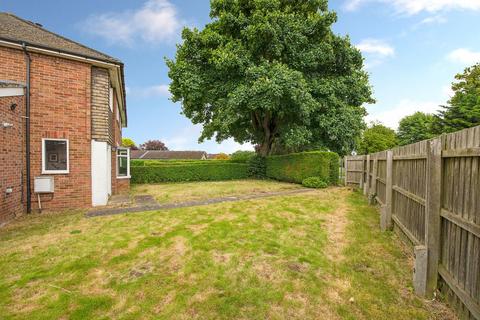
221 156
129 143
269 72
416 127
242 156
377 138
154 145
463 109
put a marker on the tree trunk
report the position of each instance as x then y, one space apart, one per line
269 127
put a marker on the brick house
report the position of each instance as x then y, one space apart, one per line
62 110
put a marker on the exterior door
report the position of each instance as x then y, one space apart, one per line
101 173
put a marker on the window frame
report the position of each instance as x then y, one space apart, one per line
128 162
44 157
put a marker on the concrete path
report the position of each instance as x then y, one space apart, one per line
149 206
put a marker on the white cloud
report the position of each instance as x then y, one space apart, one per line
448 92
437 19
464 56
377 47
156 21
161 90
392 116
411 7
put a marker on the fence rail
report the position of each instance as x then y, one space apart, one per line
430 192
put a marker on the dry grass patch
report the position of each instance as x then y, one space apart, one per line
288 257
195 191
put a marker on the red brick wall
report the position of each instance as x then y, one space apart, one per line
11 152
60 108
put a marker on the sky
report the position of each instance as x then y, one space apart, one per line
412 50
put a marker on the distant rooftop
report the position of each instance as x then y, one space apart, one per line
18 30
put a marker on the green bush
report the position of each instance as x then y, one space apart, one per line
257 167
218 170
296 167
314 182
242 156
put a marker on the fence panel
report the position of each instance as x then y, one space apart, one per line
460 221
354 170
416 212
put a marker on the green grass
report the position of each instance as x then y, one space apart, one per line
260 259
195 191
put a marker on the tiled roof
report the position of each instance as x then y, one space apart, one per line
13 28
167 155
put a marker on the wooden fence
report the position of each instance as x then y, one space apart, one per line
430 193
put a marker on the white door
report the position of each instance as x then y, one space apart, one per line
101 173
109 170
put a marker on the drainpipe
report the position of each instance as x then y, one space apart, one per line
27 128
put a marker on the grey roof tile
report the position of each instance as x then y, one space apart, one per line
13 28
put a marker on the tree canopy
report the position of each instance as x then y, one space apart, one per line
154 145
377 138
463 109
271 72
129 143
416 127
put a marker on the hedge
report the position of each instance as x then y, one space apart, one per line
155 163
217 170
296 167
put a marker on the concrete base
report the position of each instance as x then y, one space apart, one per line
420 270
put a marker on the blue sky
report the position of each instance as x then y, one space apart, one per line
413 49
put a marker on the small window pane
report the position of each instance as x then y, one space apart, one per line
122 152
55 155
122 166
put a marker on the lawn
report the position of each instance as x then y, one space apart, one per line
195 191
317 255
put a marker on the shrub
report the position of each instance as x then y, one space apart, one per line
257 167
221 156
296 167
242 156
217 170
314 182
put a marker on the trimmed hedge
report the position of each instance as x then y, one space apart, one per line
296 167
156 163
212 171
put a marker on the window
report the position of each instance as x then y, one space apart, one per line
123 163
55 156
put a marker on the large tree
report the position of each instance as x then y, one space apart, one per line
377 138
271 72
463 109
416 127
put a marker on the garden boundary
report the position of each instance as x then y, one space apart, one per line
429 192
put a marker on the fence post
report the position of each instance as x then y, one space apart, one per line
345 161
363 173
367 177
373 189
386 222
432 213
